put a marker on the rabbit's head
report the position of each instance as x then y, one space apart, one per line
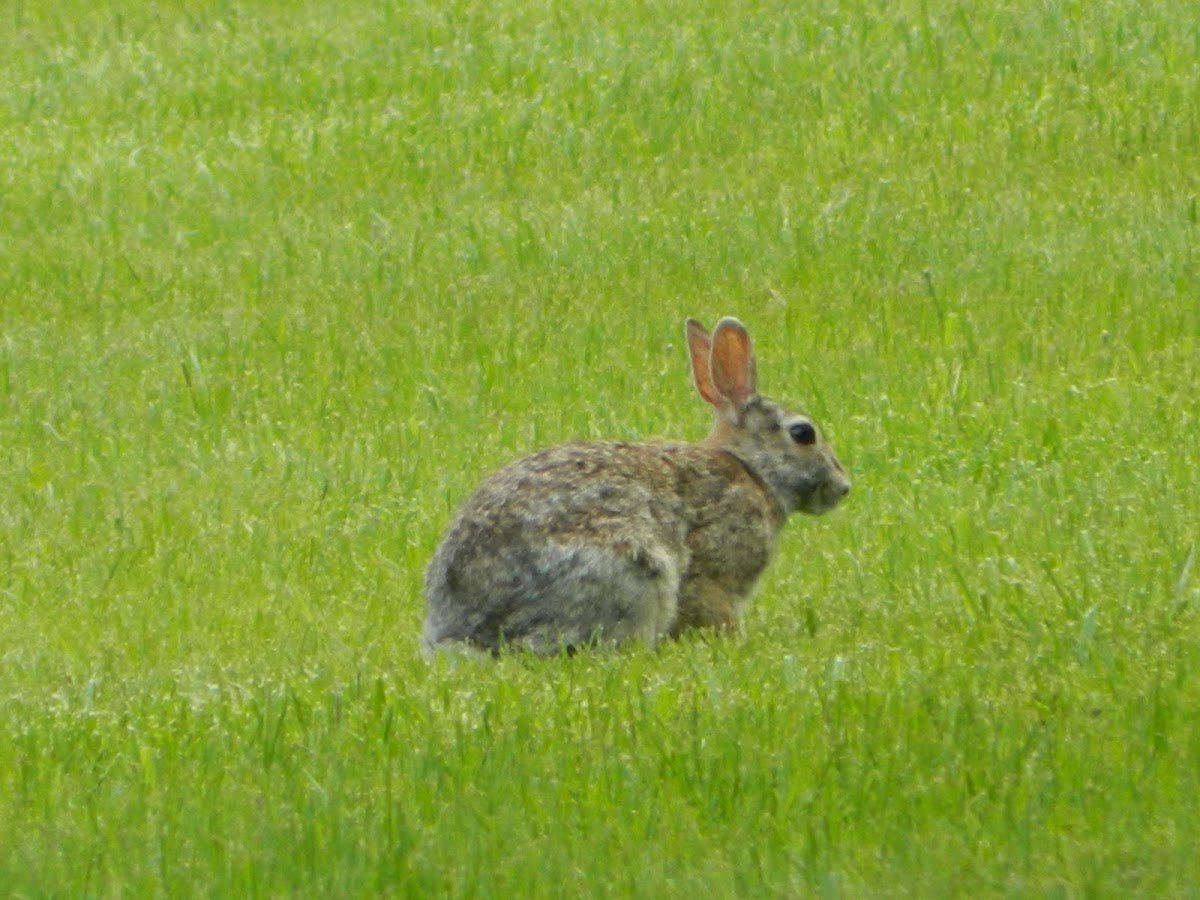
783 450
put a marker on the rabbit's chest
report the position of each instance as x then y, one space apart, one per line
734 550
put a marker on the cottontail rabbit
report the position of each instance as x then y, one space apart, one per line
615 542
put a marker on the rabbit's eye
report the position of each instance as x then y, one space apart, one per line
803 433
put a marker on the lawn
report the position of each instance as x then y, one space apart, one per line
281 281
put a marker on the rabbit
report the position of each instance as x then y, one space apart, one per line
622 543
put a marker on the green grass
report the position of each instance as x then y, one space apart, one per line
280 282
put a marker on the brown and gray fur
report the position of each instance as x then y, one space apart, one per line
619 543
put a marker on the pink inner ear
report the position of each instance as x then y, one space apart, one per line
700 351
734 371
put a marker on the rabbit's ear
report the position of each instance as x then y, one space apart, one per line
700 350
733 368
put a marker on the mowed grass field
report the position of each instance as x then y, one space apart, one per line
280 282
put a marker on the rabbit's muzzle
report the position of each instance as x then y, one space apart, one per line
826 494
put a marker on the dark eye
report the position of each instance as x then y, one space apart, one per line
803 433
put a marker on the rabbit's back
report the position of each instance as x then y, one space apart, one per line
577 542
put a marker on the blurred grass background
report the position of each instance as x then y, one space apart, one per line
281 281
